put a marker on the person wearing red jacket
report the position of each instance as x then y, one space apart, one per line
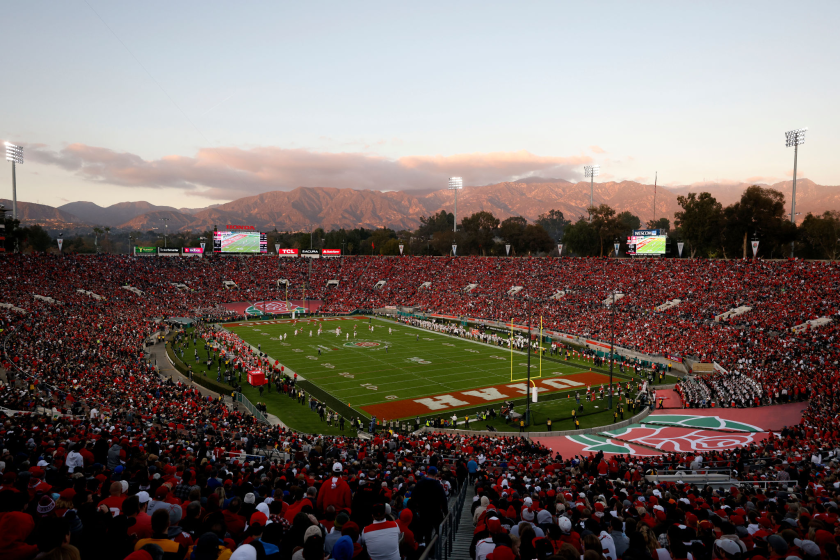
334 492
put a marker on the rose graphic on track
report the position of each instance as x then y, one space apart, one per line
672 439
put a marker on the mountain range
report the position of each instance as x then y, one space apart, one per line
332 208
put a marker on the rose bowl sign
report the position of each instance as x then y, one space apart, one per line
273 308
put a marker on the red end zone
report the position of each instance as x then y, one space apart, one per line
474 397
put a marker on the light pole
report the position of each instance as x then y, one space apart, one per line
456 184
15 155
165 229
792 138
591 171
131 239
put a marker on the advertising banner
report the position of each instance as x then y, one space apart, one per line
145 250
287 252
310 253
674 358
193 250
168 251
330 252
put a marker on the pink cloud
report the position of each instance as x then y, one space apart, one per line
227 172
597 150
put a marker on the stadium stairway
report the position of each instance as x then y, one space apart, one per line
463 538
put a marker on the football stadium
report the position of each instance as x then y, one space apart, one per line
419 281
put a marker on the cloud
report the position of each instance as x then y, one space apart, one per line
226 172
597 150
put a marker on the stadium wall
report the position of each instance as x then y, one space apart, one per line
594 430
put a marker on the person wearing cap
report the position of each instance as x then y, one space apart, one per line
334 533
429 500
135 507
335 491
382 537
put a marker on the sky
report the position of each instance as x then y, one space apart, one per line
188 104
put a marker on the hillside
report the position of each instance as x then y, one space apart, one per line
333 208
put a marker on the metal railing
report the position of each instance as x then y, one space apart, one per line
440 547
240 398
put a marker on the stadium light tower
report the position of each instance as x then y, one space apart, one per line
456 184
792 138
15 155
591 171
165 230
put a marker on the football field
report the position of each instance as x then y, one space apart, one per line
241 243
396 371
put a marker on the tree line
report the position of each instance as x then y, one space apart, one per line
703 225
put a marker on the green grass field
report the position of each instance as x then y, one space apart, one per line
400 363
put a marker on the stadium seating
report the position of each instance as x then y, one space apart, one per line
118 430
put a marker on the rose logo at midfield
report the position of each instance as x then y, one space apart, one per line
273 308
362 344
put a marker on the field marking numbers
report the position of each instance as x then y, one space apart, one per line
369 386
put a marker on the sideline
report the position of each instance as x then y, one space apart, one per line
165 367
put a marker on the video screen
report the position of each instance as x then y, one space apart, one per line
647 245
239 242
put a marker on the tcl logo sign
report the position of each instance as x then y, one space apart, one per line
288 252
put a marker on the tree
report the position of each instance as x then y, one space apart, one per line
511 231
535 240
628 222
822 233
606 225
699 221
37 238
441 221
663 224
581 239
480 228
554 223
442 241
760 212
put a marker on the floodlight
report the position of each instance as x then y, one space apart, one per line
795 137
591 171
456 184
14 153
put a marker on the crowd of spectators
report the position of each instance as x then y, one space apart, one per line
107 459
